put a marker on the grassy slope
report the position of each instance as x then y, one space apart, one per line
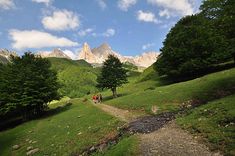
214 121
59 133
171 96
77 77
126 147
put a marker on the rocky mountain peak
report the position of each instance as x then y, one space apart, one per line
86 54
54 53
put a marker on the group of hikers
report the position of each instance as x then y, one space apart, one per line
97 98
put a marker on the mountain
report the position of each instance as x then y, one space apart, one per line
87 55
58 53
5 55
100 54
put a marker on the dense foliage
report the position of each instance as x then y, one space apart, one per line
112 75
198 42
27 85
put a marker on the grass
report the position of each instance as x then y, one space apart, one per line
71 130
126 147
77 78
215 122
144 95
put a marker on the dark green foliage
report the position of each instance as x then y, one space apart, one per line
191 47
112 75
199 42
27 85
221 14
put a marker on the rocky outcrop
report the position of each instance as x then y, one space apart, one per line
87 55
55 53
100 54
5 55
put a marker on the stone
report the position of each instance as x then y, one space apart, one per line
15 147
92 148
29 148
33 142
33 151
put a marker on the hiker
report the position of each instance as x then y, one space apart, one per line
94 98
100 98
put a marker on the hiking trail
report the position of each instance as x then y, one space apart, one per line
159 135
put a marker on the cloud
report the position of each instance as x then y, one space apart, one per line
37 39
109 32
7 4
147 17
101 4
85 32
61 20
125 4
147 46
165 13
179 7
71 54
46 2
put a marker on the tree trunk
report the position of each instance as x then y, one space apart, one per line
114 92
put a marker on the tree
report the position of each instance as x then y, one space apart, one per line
221 14
190 48
112 75
27 86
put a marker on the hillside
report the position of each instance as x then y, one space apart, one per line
3 59
170 97
77 78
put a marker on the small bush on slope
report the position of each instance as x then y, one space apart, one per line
215 122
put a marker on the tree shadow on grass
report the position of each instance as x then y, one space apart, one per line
107 98
14 122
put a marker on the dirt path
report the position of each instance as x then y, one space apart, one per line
159 135
172 140
123 115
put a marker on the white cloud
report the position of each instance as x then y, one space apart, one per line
165 13
85 32
109 32
102 4
7 4
147 46
125 4
147 17
71 54
46 2
37 39
179 7
61 20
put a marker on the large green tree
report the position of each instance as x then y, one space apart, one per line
27 85
221 14
112 75
191 47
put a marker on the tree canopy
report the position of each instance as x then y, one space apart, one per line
199 41
112 75
27 85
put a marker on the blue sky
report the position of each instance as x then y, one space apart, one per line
129 26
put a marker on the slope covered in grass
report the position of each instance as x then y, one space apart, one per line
77 78
69 130
170 97
215 122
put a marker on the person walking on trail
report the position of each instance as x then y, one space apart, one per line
94 98
100 98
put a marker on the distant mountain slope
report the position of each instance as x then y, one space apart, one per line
78 78
55 53
5 55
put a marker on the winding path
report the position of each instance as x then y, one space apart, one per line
164 137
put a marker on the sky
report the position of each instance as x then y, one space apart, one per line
130 27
